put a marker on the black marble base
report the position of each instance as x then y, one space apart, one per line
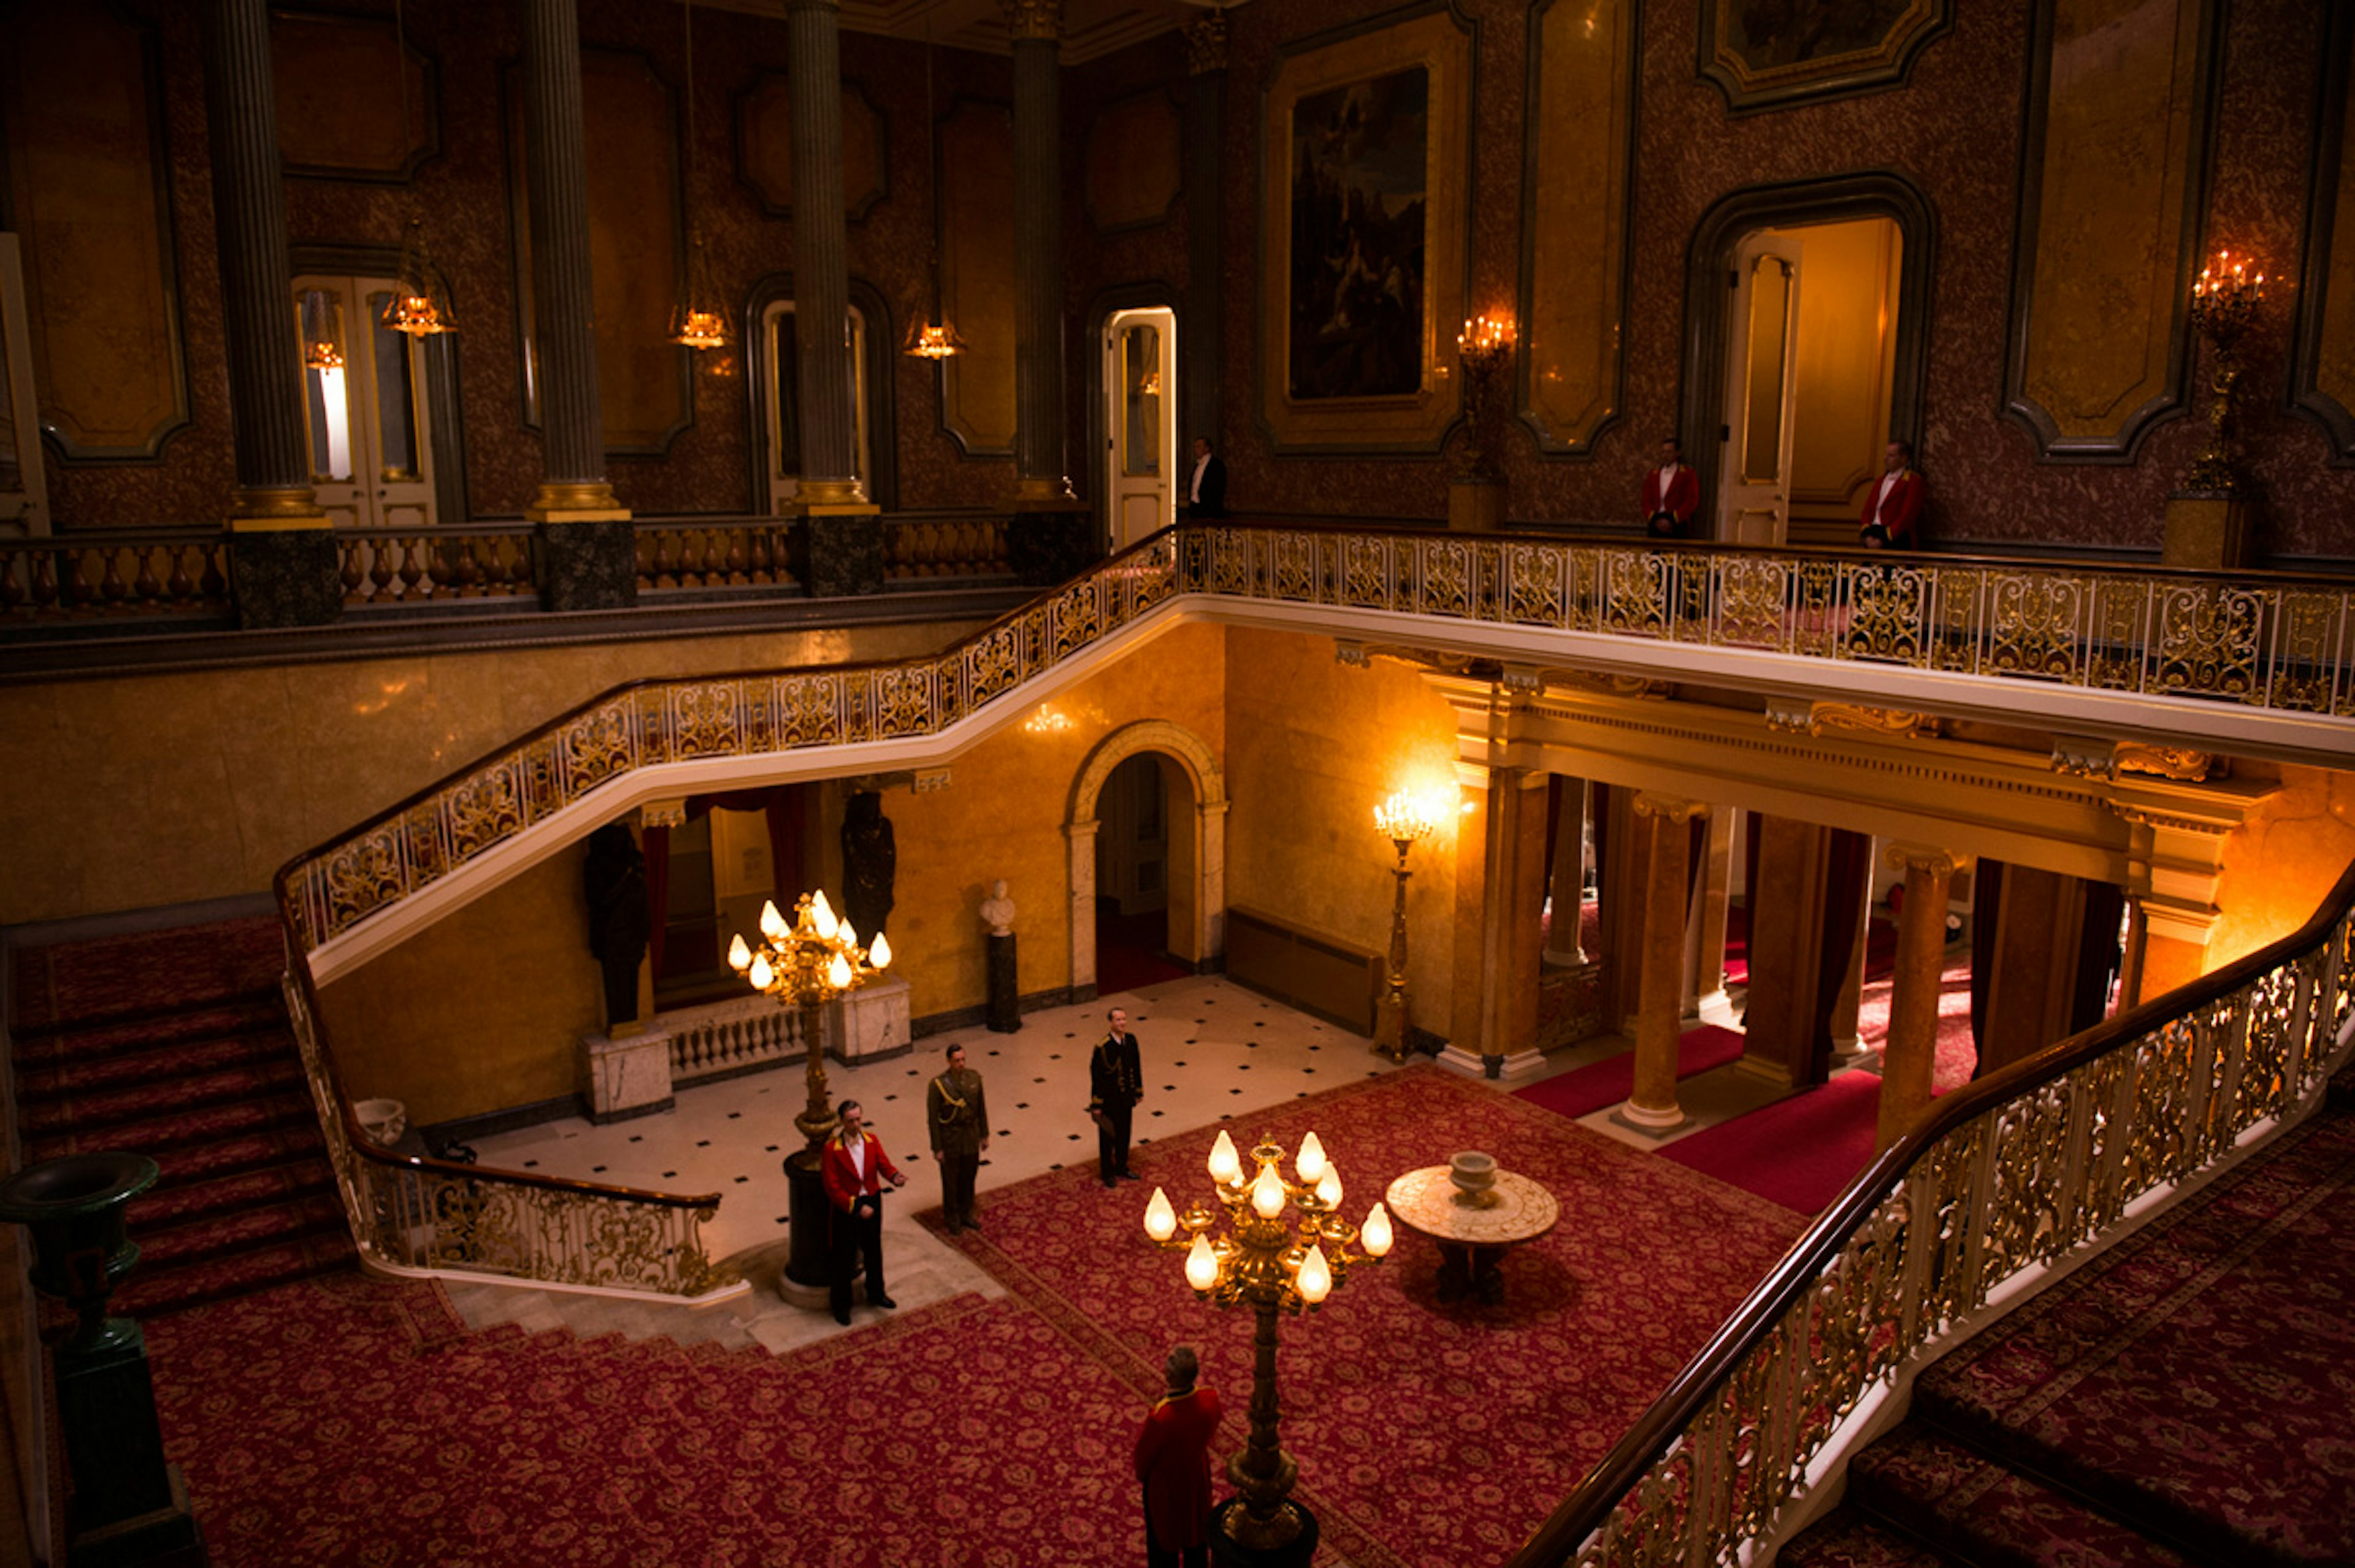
1295 1554
291 577
808 1263
590 564
839 555
1004 988
1052 546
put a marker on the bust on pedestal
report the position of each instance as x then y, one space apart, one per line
1004 982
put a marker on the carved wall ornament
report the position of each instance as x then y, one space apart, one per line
1668 807
2083 757
1360 655
1206 44
2178 763
663 814
1633 686
1034 19
928 781
1929 858
1798 716
1525 679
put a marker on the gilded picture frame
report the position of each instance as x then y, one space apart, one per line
1365 166
1779 56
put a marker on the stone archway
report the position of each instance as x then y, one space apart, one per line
1197 923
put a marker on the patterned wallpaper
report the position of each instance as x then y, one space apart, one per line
1954 131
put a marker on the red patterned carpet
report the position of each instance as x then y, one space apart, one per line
1591 1087
350 1422
1435 1435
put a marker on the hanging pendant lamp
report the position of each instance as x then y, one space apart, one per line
419 304
696 321
933 337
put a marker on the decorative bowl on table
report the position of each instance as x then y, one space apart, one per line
1475 1176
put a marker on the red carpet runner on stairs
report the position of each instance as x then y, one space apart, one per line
2186 1398
175 1045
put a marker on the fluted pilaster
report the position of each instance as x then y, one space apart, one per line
1039 465
1202 330
1660 1002
573 421
822 370
265 359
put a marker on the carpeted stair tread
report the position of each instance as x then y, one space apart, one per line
81 1074
295 1141
144 1101
220 1235
1850 1538
260 1013
150 1293
171 1202
189 966
1990 1515
201 1125
2200 1379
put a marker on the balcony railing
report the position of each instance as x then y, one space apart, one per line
2002 1179
163 576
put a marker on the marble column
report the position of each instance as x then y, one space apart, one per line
839 548
587 552
1705 975
282 551
1910 1056
1568 887
1202 328
1667 854
1500 869
1050 536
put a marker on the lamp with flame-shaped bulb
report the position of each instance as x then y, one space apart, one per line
1405 820
805 964
1272 1266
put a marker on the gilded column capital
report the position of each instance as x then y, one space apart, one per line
1034 20
1929 858
1669 807
1206 44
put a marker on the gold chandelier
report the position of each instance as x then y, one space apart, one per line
321 317
807 964
928 338
419 303
696 321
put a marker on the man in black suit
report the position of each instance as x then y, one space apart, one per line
1206 490
1115 1084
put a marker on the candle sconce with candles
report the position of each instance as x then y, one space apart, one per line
2224 302
1483 347
1270 1266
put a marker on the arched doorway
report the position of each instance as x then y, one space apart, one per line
1142 772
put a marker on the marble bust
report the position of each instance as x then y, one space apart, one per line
997 910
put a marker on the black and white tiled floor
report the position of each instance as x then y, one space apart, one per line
1209 1049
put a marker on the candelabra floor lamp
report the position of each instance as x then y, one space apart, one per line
1405 822
805 965
1274 1268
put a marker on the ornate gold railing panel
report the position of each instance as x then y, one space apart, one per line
2012 1173
449 1218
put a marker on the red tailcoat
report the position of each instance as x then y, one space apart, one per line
843 1187
1683 499
1173 1460
1897 511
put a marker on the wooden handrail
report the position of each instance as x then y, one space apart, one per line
1557 1541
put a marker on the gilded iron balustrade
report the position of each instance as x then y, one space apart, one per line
1272 1268
2273 643
435 1215
2001 1180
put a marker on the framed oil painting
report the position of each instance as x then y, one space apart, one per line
1773 54
1364 165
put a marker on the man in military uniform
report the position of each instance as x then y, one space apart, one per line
959 1119
1115 1084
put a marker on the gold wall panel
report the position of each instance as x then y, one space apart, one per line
2324 376
87 171
976 223
1574 246
1133 172
1846 347
2111 189
1437 47
764 147
644 383
333 119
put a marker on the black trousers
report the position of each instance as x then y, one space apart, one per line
1112 1140
957 1171
1159 1556
849 1237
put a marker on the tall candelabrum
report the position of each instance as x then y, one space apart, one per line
1481 348
1272 1264
1405 822
807 964
2224 302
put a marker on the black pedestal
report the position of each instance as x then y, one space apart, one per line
292 577
1004 985
590 564
807 1265
1051 544
839 555
1294 1554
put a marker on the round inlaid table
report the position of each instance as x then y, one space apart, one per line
1473 1230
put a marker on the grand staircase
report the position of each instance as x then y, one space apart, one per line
2186 1398
175 1044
